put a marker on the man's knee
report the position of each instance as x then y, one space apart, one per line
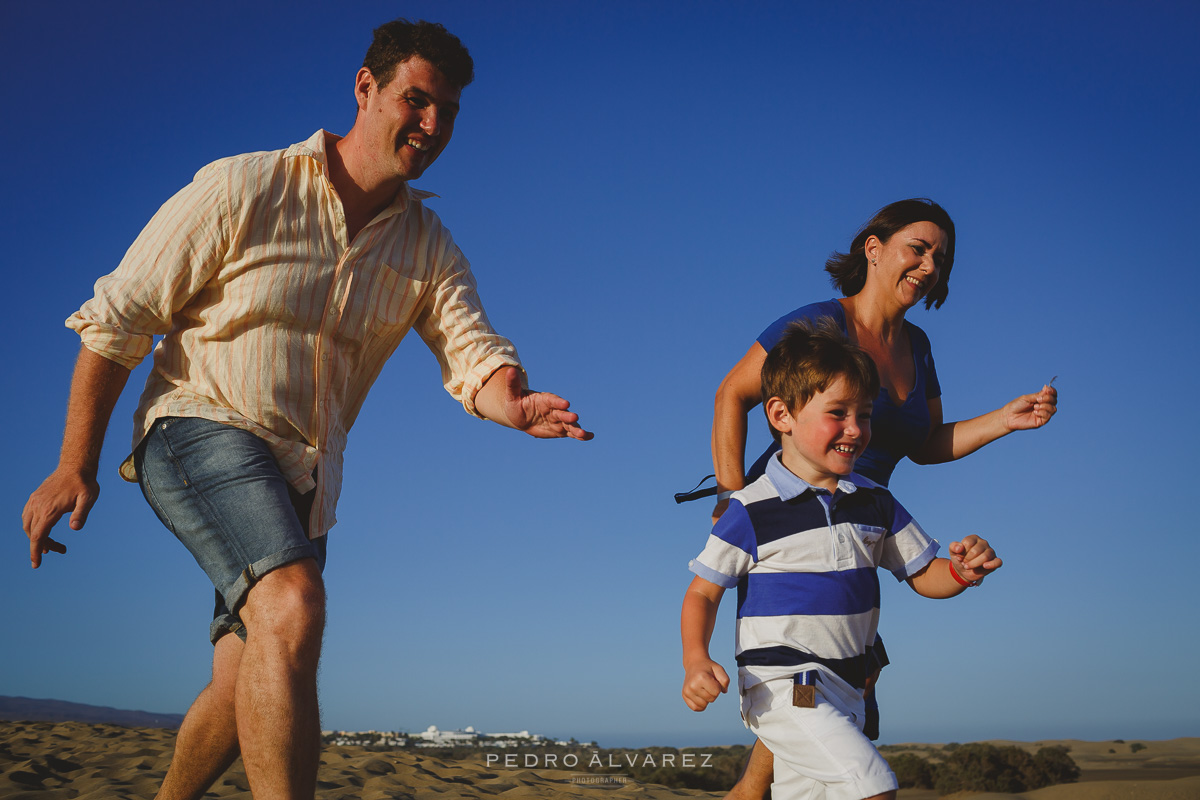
227 655
287 602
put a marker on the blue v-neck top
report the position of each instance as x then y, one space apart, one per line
896 430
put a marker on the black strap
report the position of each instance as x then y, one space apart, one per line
697 493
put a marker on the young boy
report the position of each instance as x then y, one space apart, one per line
802 544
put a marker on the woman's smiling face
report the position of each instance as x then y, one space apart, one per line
908 263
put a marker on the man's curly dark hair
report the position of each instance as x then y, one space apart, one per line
399 40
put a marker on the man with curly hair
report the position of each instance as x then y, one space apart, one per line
280 283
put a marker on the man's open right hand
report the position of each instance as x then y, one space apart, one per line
64 492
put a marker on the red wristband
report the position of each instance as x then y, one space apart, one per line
958 577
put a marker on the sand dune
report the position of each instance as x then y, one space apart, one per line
48 761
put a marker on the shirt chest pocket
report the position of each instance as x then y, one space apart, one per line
858 544
395 299
385 307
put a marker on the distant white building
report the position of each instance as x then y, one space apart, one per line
365 738
522 739
533 737
432 737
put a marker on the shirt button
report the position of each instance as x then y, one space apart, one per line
324 356
841 538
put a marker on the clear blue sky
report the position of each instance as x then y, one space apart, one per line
641 188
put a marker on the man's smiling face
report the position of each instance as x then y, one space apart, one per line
407 123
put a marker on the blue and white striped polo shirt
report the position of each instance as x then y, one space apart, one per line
804 564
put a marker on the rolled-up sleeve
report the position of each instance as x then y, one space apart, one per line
731 549
907 548
175 254
457 331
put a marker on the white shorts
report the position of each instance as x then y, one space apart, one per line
820 753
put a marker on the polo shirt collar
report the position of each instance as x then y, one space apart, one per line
314 147
789 485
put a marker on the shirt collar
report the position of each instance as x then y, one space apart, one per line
789 485
314 147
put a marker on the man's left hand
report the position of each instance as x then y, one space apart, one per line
541 414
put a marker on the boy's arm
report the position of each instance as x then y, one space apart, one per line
971 560
704 679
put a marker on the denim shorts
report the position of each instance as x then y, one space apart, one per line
219 490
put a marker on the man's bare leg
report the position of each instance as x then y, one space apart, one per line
207 742
275 697
755 783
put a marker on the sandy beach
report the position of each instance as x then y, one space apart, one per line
47 761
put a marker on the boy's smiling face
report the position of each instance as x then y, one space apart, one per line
822 439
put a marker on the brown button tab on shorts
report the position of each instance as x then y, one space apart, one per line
804 692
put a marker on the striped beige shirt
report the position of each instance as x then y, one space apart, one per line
273 322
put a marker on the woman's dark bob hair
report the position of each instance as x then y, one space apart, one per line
848 271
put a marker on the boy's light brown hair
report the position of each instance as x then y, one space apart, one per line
808 359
